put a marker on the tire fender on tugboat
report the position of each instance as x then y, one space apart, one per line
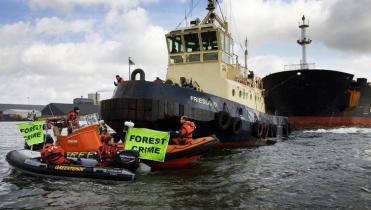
236 125
272 130
223 120
141 74
285 130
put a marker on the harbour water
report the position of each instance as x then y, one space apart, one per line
313 169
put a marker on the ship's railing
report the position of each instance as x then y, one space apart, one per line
291 67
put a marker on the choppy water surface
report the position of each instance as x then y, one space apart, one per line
315 169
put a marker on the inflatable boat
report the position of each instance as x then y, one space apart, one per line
180 155
86 141
30 162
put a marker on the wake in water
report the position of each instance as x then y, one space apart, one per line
345 130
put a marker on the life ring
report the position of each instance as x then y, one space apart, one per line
236 125
140 72
223 120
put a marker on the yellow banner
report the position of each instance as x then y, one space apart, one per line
32 132
150 144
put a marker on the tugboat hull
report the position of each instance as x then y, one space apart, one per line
159 106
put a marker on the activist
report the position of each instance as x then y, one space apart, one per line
103 136
72 120
54 154
185 133
119 80
107 152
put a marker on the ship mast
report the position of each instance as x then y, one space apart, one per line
211 16
303 42
246 53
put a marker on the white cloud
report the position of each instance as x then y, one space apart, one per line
265 21
68 5
263 65
59 71
348 26
56 26
340 25
15 33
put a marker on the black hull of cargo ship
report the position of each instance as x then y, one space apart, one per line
159 106
318 98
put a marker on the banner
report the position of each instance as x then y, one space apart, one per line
150 144
32 132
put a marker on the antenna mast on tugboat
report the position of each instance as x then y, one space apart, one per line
246 53
211 16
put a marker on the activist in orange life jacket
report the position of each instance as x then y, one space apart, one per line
188 127
72 120
54 154
107 152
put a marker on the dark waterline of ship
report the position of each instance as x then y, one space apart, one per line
315 169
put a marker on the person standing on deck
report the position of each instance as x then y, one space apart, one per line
72 120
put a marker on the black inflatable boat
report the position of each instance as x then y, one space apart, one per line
30 162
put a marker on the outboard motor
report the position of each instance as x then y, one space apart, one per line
128 159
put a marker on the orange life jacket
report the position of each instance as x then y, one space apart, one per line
54 154
107 154
186 132
103 137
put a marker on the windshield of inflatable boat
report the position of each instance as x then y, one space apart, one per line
90 119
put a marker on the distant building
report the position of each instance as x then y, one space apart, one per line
60 109
20 114
95 97
83 101
19 111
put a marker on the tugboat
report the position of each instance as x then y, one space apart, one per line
316 98
206 83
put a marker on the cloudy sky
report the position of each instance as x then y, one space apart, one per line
57 50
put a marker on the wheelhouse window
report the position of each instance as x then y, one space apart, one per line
191 43
174 44
176 59
193 57
209 41
222 40
213 56
227 44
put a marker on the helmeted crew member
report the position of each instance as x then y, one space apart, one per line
54 154
107 152
72 120
119 80
158 81
186 131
